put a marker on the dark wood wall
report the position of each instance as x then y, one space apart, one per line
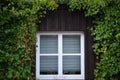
64 20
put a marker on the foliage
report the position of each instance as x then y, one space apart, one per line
17 36
107 42
18 20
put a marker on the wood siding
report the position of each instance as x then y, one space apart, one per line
64 20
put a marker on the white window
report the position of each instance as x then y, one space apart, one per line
60 56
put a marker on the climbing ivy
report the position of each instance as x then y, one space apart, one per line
18 23
107 42
18 19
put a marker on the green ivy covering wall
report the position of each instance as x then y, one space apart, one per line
18 19
17 36
106 46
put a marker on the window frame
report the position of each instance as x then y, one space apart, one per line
60 54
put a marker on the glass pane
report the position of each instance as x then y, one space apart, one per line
48 44
48 65
71 44
71 65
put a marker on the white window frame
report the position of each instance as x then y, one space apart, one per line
60 74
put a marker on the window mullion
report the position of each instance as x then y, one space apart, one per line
60 54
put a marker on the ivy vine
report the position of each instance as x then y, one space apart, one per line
18 23
17 36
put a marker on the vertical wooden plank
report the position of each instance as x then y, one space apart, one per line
43 24
62 21
52 21
68 21
90 59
